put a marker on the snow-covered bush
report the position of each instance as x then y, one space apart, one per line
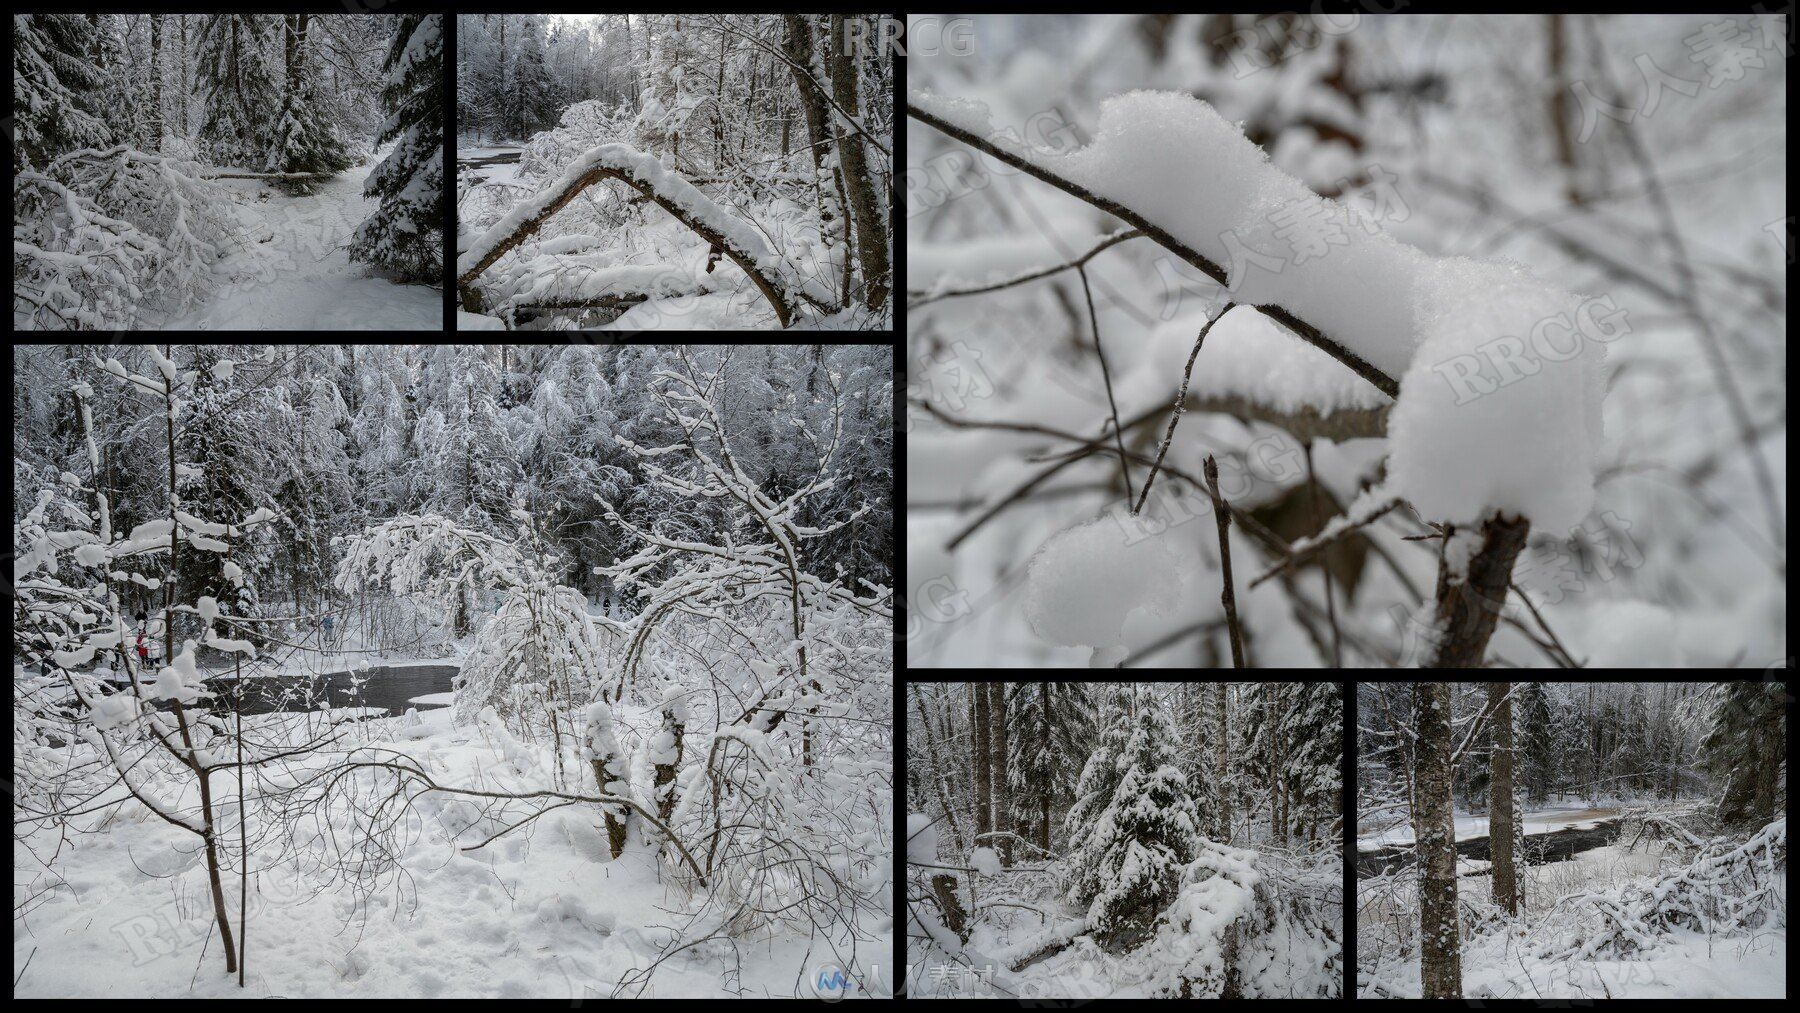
101 237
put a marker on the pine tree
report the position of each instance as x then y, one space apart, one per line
405 235
304 140
57 90
1144 838
239 87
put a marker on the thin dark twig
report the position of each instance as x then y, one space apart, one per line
1569 659
1306 331
1312 482
1118 433
1180 402
1030 276
1211 470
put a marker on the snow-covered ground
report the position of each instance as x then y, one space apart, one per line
542 912
1499 965
291 270
1538 821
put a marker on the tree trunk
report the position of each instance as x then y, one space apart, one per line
937 765
797 46
1469 603
1440 966
1500 815
871 232
156 91
675 728
1003 823
978 741
1221 765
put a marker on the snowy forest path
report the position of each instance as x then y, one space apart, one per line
291 267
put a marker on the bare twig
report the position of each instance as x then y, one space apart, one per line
1211 470
1312 482
1030 276
1180 403
1307 332
1106 374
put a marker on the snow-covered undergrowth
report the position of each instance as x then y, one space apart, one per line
1643 918
543 913
1244 924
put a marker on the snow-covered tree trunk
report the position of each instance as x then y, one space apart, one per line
1217 697
1440 954
980 761
1501 822
997 747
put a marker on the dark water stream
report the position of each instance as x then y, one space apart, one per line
381 687
1555 846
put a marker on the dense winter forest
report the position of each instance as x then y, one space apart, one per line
1087 840
227 171
438 671
658 171
1480 318
1527 840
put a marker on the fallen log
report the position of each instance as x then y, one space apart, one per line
645 174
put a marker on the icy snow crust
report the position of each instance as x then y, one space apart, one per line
1525 446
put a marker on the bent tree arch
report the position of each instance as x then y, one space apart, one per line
645 174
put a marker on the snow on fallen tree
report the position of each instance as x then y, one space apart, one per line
644 173
1497 375
1728 889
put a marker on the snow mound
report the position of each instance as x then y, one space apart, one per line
1501 408
1087 582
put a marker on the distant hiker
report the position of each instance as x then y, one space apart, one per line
327 638
143 641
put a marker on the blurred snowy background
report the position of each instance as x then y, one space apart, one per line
1638 160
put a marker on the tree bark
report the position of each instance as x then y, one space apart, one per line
1000 792
1440 965
797 46
1502 847
871 231
1469 603
156 83
978 741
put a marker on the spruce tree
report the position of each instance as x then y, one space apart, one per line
1744 747
1100 777
304 140
57 89
1536 753
1312 732
1044 753
1144 838
405 236
239 88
